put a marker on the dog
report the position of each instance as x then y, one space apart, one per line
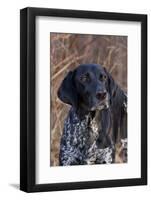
97 119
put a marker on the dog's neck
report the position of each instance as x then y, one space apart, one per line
83 113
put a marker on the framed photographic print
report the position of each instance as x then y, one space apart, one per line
83 99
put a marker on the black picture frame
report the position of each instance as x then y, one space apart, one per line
28 98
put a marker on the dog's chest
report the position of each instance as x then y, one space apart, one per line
79 141
94 126
85 132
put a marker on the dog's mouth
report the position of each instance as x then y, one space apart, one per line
100 106
93 106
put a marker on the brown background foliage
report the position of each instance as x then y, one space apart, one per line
67 51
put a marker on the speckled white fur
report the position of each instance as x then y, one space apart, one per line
78 143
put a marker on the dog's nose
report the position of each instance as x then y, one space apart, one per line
101 95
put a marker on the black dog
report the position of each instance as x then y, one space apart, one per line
97 118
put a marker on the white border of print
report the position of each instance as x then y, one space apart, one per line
47 174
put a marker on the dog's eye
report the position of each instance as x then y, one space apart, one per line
103 77
85 78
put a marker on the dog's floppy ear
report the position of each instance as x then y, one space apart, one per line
112 86
67 91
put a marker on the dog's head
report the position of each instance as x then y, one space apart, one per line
89 87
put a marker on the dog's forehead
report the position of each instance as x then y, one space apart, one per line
93 68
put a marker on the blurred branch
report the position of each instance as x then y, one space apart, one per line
66 66
64 61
